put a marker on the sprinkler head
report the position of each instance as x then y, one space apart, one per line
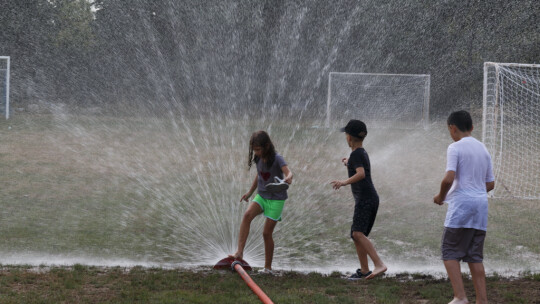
227 263
234 264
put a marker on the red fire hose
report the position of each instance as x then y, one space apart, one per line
236 265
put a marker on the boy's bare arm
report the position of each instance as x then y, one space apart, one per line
490 186
358 176
446 184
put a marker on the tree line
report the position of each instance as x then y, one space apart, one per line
231 55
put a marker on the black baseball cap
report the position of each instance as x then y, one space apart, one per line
355 128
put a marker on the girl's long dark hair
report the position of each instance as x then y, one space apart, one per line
261 139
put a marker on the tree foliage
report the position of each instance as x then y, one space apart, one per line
230 54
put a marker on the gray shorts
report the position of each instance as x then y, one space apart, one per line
463 244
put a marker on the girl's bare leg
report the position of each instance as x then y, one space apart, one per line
253 210
268 230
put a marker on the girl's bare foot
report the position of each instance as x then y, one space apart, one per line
458 301
377 271
237 255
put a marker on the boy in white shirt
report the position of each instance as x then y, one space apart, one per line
468 179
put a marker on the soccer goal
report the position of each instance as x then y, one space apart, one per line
511 127
4 85
381 100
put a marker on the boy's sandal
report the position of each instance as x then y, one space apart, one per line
358 275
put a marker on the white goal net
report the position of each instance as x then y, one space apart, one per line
381 100
4 86
511 127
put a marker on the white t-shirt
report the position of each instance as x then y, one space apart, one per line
467 198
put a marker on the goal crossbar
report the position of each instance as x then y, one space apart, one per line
421 81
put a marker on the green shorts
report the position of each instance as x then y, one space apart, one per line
271 208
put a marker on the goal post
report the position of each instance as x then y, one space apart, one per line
511 127
381 100
4 84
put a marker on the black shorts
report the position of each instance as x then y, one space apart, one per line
463 244
365 212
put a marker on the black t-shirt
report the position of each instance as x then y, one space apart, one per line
364 188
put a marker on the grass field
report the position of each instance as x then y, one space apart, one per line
165 192
82 284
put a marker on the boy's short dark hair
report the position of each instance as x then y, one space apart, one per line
355 128
461 119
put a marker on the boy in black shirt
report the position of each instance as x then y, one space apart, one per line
366 200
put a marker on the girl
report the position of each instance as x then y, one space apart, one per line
269 165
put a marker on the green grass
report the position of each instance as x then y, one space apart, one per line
82 284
